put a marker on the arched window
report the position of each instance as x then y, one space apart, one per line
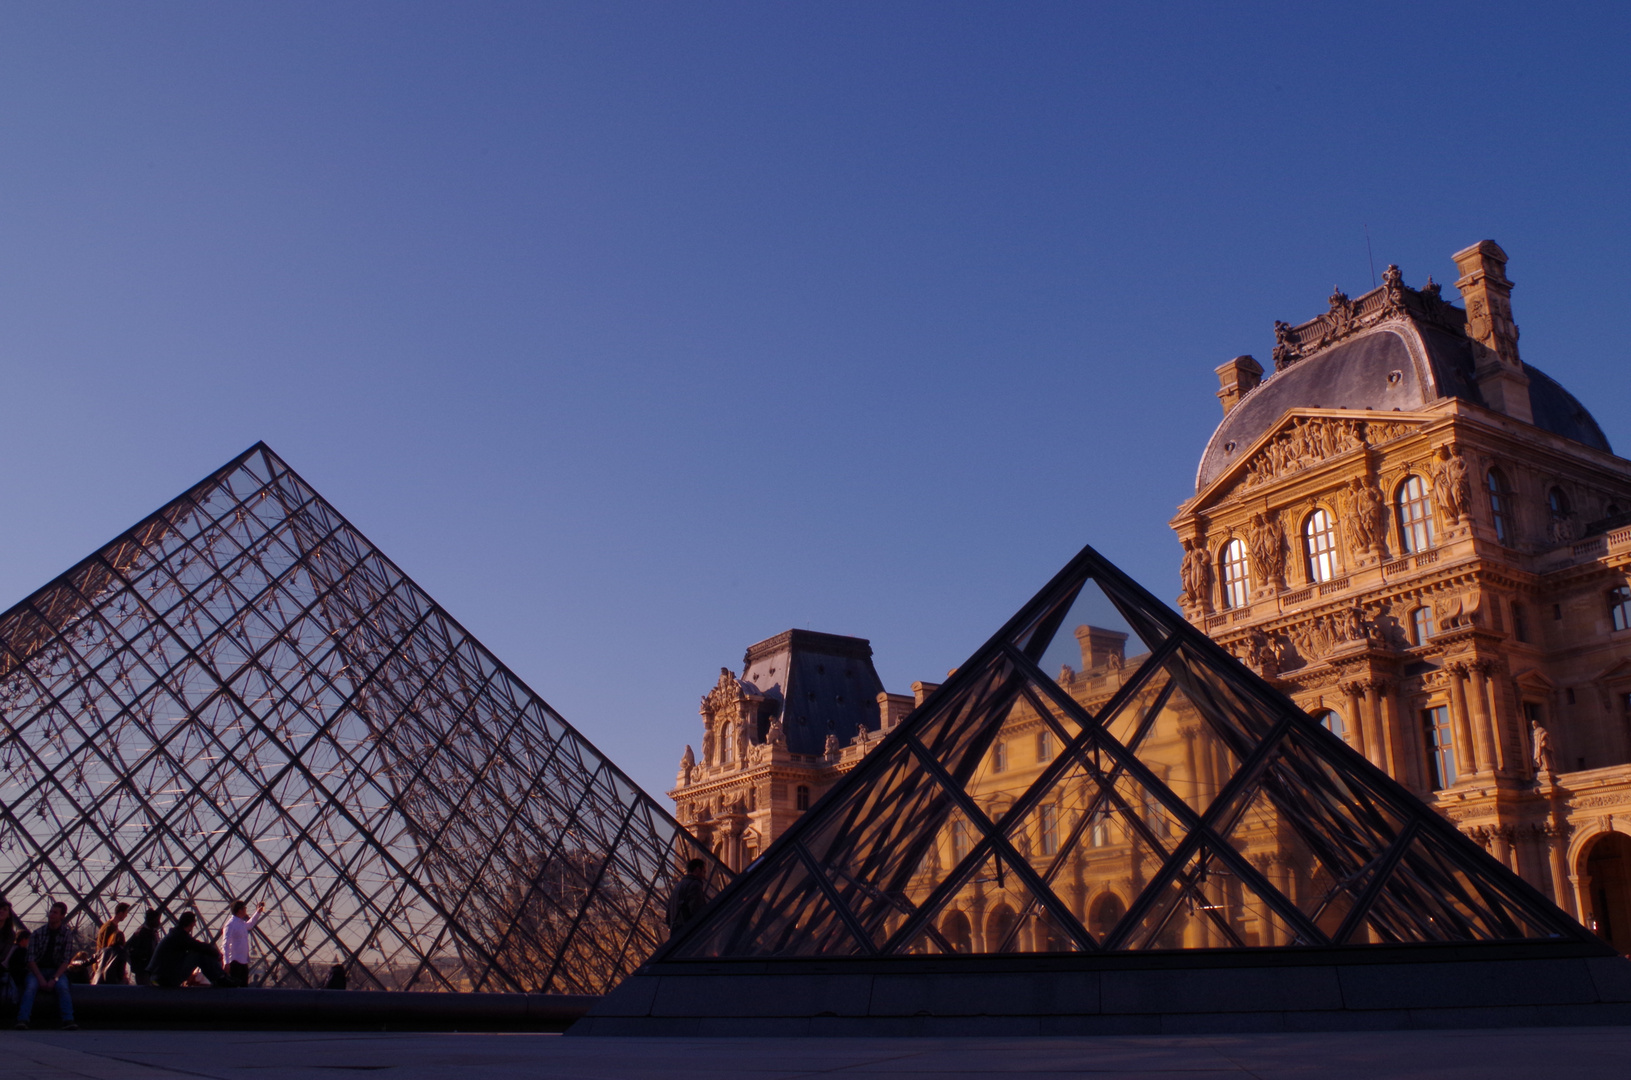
999 756
955 929
801 797
1331 721
1415 515
1236 574
1421 625
1557 503
1320 546
1500 511
1619 607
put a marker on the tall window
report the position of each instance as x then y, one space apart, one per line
1500 512
1236 576
1421 625
1319 546
999 756
1557 503
1619 607
1415 515
1435 725
959 839
801 797
1520 622
1332 722
1047 820
1044 746
1099 829
1154 815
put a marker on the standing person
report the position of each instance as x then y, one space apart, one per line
140 948
689 895
112 956
235 940
179 954
48 951
8 925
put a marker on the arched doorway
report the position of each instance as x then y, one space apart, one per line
1608 889
955 929
1105 912
997 926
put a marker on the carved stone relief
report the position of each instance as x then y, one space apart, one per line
1311 440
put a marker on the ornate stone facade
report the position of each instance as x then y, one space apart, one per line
806 708
1438 551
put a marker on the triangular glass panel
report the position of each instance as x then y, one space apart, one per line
1323 833
241 697
1210 903
1086 643
1167 798
1435 892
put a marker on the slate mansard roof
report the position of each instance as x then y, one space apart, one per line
825 683
1404 361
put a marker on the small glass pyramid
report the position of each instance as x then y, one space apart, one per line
241 698
1101 777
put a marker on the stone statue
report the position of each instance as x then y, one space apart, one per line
708 741
688 761
1197 575
1286 351
1367 517
1393 288
742 743
777 735
1452 486
1268 550
1261 654
831 747
1542 742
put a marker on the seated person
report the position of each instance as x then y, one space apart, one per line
179 954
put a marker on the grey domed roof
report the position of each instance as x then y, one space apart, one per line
1400 365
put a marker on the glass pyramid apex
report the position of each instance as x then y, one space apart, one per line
241 698
1153 795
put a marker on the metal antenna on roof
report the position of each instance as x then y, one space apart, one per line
1371 257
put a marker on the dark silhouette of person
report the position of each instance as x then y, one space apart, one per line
689 895
140 948
180 954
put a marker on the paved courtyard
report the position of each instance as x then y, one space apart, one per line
1554 1053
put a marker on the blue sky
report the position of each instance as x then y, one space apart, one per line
640 332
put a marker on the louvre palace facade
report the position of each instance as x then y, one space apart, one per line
1416 536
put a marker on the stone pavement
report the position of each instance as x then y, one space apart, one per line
1549 1053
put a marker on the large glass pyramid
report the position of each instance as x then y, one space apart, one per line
241 698
1101 778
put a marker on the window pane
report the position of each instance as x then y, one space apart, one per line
1435 724
1236 574
1415 517
1319 545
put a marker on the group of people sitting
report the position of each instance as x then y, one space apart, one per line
33 961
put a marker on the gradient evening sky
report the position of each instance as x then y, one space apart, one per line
637 333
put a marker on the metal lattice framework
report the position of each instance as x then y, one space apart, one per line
242 698
1156 797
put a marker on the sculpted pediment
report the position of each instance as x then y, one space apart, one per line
1302 440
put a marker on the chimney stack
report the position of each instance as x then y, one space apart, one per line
1236 379
1488 295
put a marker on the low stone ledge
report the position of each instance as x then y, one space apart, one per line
301 1010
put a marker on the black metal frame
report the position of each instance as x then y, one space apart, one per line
278 712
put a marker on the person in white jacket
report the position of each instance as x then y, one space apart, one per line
235 940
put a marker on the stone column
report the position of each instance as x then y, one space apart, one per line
1557 843
1501 836
1376 740
1356 719
1483 729
1458 716
1189 735
1582 898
